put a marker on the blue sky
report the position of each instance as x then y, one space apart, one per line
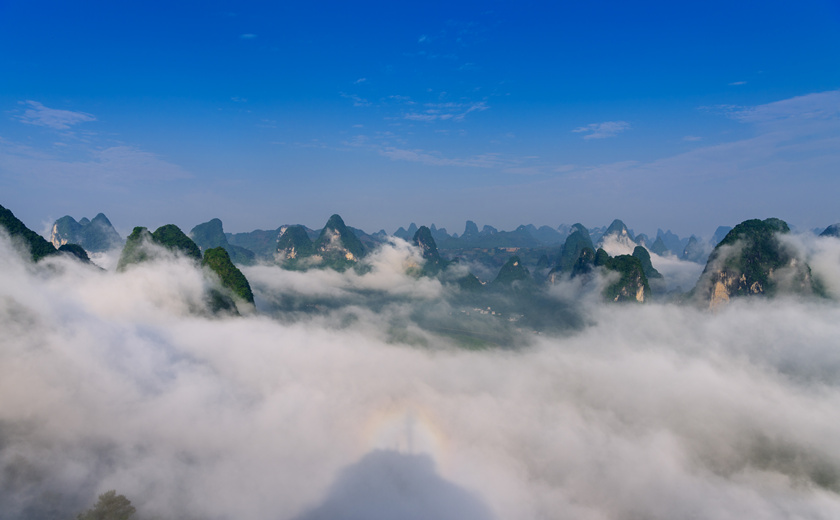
664 114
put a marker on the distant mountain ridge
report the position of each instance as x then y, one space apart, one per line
96 236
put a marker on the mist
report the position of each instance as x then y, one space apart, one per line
334 400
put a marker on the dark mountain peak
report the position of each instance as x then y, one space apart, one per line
339 242
617 227
512 271
209 234
644 258
719 235
572 248
218 260
295 243
97 235
133 251
579 227
831 231
751 260
426 242
488 230
171 237
632 284
659 246
101 219
38 246
470 230
424 239
335 223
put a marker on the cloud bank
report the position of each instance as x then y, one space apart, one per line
108 381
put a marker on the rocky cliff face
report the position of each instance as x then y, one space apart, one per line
95 235
632 284
425 241
294 245
752 260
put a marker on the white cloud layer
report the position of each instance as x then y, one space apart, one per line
602 130
40 115
656 411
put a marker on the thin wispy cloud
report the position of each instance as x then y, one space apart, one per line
446 111
692 138
358 101
360 80
602 130
489 160
247 36
114 167
39 115
736 83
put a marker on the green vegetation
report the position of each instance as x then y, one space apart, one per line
761 252
512 272
335 226
133 251
168 236
631 279
747 258
38 246
171 237
470 283
110 506
76 251
211 234
572 248
231 277
425 241
644 258
294 244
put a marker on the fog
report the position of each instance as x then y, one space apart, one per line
353 409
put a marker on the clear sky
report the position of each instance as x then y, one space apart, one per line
681 115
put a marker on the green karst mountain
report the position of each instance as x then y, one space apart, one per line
617 228
513 272
95 235
231 277
76 251
217 259
171 237
208 235
294 245
338 246
133 251
659 247
470 283
644 258
587 261
632 284
831 231
37 245
694 251
211 234
424 240
575 243
752 260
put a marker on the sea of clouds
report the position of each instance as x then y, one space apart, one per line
113 381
